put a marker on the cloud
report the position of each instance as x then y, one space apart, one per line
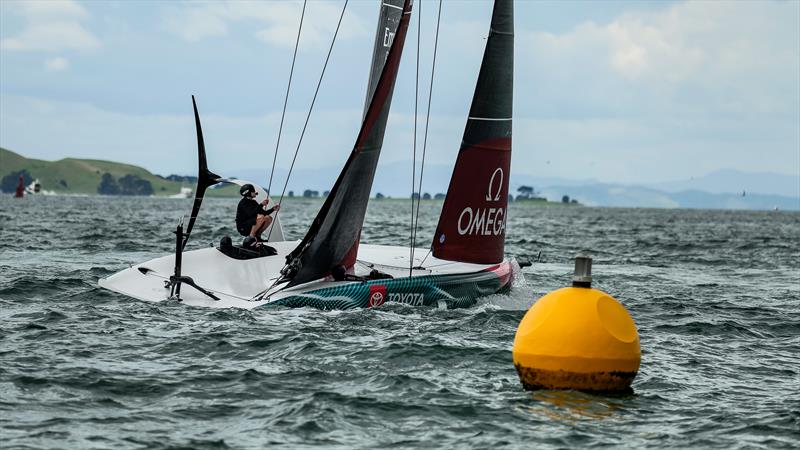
673 92
51 36
56 64
729 57
272 22
50 26
62 9
193 25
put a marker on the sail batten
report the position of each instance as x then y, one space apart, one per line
334 234
472 223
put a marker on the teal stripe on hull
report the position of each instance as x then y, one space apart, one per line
456 290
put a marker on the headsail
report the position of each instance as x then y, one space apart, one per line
333 237
473 219
388 19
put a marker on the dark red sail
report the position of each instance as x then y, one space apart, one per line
472 225
333 237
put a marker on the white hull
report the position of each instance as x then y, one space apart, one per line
240 283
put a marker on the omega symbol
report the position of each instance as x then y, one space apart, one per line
496 197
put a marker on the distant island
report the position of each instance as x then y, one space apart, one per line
72 176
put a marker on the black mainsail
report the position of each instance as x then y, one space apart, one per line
332 239
472 223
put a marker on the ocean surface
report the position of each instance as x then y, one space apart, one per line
715 296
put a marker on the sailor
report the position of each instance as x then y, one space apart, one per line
251 217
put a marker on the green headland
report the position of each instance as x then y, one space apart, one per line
72 176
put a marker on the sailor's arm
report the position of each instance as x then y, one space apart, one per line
267 212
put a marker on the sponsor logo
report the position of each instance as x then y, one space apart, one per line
485 221
388 37
377 295
482 221
413 299
496 197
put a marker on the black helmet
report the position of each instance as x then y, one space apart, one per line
244 190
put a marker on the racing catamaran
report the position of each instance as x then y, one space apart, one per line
328 268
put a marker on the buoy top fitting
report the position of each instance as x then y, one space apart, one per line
583 271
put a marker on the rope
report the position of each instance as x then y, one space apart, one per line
308 116
414 146
415 219
286 98
426 256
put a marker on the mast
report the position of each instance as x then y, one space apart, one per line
473 220
388 19
332 239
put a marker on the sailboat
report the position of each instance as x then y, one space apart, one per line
329 268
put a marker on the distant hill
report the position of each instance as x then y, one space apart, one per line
638 197
85 176
729 181
720 190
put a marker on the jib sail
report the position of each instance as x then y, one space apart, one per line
388 19
472 224
333 237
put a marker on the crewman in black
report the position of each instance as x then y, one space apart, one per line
251 217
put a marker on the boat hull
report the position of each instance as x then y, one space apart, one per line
455 290
244 283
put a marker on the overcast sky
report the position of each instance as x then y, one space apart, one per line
618 91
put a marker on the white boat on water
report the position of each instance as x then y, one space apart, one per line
35 188
185 192
465 261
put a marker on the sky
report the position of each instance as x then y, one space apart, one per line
614 91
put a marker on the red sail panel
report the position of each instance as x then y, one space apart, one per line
472 225
333 237
20 187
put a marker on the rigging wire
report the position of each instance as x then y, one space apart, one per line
414 146
286 98
415 218
308 116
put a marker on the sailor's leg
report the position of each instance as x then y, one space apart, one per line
262 222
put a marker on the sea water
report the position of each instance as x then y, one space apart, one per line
715 296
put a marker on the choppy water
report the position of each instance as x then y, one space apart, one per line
715 294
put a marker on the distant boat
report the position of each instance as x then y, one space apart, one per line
329 268
184 193
35 188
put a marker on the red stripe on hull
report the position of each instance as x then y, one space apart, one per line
504 272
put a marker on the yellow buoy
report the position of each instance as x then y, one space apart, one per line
577 338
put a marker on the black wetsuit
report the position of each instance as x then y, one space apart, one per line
246 214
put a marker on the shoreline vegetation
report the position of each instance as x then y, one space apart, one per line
89 177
